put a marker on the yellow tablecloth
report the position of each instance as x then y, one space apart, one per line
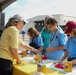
30 68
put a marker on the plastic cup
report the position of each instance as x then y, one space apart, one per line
26 60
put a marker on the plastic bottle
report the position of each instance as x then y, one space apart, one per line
43 70
41 67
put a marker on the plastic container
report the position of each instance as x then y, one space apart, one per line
26 60
37 59
43 70
41 67
23 53
68 66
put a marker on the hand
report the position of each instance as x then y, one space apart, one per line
49 49
18 61
60 61
36 51
55 62
73 61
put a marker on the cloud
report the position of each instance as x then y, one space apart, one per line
31 8
15 5
35 1
29 12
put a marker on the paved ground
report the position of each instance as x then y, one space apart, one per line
26 38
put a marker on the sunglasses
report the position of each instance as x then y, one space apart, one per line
24 22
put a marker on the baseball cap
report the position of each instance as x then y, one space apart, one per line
70 26
19 18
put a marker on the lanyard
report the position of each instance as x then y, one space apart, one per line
53 35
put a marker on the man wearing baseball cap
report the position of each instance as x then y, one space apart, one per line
70 47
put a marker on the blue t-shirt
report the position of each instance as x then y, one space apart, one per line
71 47
58 38
46 36
38 40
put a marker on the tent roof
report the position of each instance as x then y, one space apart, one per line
38 18
5 3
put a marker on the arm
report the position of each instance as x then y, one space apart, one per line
40 48
55 48
13 44
40 44
14 53
64 57
73 61
28 47
62 41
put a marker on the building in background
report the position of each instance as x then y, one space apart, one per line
38 21
62 19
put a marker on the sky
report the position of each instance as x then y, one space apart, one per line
30 8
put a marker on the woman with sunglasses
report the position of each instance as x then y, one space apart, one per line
9 44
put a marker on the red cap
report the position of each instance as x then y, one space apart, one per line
70 26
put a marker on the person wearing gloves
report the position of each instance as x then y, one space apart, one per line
70 47
9 44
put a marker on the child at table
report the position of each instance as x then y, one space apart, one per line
70 48
57 40
35 40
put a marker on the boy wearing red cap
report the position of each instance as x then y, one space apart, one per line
70 48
